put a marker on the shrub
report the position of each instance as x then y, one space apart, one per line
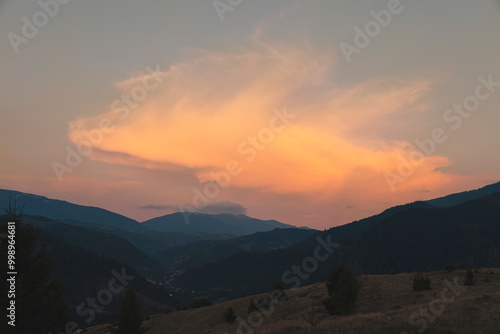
421 283
202 302
343 288
253 305
229 315
450 268
278 286
469 278
395 271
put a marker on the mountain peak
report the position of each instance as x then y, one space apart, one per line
220 223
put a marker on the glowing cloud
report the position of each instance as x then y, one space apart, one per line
214 108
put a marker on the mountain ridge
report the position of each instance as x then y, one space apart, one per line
201 222
60 210
470 231
65 211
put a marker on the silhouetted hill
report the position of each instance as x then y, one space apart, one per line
459 198
152 241
357 227
466 235
56 209
221 223
84 277
360 226
414 239
199 252
100 244
97 219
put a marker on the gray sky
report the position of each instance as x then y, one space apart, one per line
339 159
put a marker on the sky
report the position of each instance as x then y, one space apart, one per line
312 113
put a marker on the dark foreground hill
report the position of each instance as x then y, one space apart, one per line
100 243
92 284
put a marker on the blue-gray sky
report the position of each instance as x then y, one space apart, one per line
345 151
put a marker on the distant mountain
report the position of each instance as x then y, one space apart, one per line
57 209
204 251
414 239
200 226
459 198
466 235
140 235
220 223
357 227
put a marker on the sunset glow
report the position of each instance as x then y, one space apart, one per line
285 127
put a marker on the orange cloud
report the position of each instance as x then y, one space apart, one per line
216 107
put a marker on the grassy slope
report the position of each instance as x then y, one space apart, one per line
385 304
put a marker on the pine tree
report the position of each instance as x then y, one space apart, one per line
129 318
469 278
343 288
39 301
229 315
202 302
421 283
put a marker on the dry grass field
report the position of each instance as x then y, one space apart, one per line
385 304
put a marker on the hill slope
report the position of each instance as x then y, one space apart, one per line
84 276
101 244
459 198
466 235
385 304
